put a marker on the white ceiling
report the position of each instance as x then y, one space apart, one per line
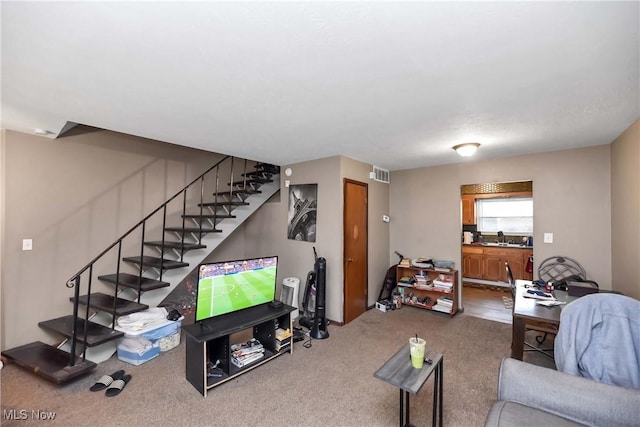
391 84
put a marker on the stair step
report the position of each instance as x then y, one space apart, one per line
237 191
192 230
96 334
258 174
255 180
208 216
131 281
168 244
48 362
104 302
267 167
224 203
156 262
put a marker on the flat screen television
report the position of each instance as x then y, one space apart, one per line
229 286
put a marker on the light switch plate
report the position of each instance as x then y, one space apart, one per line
27 244
548 237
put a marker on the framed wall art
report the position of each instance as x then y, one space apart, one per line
303 204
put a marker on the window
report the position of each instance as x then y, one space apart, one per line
511 216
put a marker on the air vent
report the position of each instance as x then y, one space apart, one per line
380 175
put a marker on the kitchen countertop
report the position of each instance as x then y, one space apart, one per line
498 245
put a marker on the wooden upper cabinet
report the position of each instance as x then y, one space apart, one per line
468 209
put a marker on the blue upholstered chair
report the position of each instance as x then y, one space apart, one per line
599 339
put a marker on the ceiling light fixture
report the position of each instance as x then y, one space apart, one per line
467 149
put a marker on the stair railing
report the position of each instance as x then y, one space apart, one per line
74 281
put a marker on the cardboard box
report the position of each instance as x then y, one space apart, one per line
385 305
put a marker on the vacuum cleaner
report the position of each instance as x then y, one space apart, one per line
313 302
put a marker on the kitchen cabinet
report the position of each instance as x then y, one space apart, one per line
493 267
487 263
516 261
494 259
526 254
472 262
468 209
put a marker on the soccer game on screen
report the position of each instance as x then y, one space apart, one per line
235 285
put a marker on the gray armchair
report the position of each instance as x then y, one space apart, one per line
533 396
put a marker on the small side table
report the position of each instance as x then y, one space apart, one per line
398 372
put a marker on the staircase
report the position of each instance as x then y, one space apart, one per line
165 247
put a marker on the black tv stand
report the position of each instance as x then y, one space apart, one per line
204 326
210 341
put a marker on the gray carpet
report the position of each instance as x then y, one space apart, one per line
329 384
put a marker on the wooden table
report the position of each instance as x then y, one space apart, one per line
526 309
398 372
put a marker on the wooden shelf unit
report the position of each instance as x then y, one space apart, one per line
211 340
432 293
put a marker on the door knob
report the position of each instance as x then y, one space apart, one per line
349 259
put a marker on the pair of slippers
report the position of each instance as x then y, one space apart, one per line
113 384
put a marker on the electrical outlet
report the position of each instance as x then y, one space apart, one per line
27 244
548 237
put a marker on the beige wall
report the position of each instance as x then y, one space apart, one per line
625 211
74 196
571 199
267 229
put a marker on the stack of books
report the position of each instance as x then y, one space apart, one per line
443 304
247 352
443 283
406 281
423 282
283 338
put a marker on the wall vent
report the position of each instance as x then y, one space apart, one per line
380 175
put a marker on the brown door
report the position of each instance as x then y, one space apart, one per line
355 249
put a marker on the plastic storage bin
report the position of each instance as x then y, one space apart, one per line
160 337
169 342
126 354
160 331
